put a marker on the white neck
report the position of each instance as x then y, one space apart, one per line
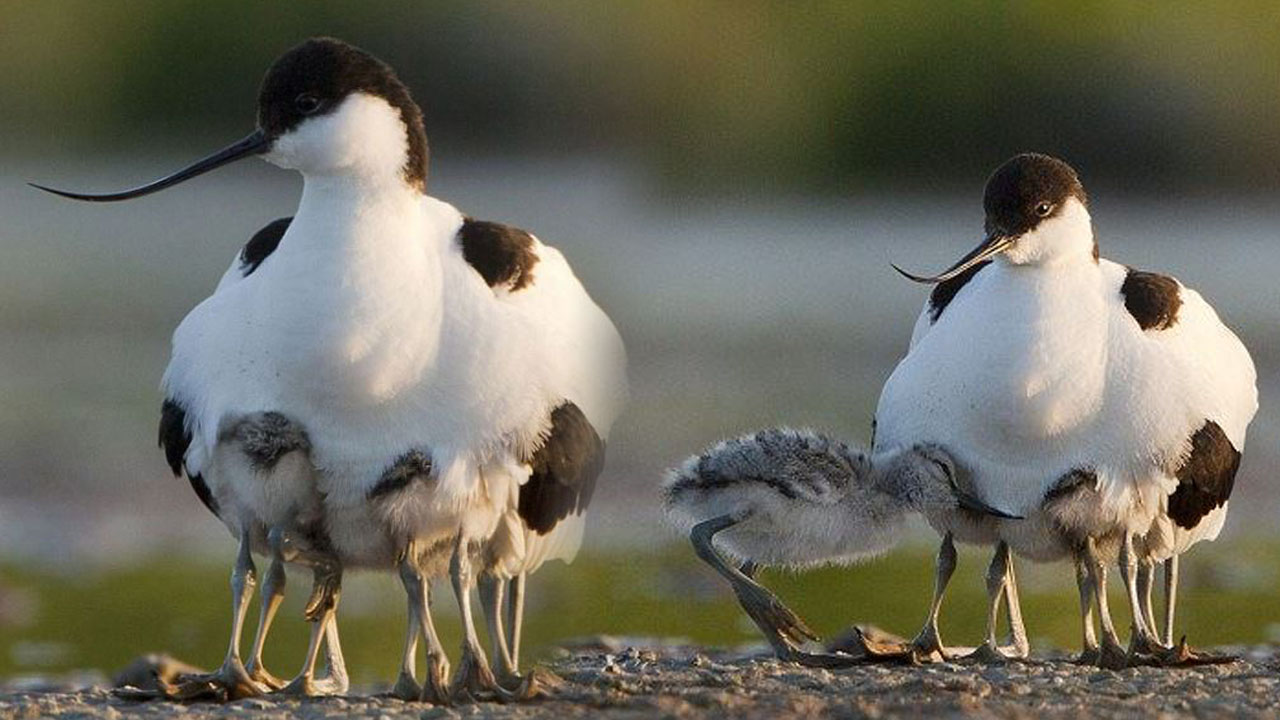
353 200
363 255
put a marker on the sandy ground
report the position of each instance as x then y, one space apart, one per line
688 683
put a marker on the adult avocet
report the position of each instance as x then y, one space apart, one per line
380 351
1096 400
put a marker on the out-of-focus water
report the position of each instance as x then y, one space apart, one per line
737 313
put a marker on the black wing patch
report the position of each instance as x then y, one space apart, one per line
1206 477
503 255
263 243
407 468
1152 299
564 473
946 291
175 438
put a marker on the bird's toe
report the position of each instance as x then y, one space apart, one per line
406 688
988 654
264 678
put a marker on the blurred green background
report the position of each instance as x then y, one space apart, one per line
794 95
729 179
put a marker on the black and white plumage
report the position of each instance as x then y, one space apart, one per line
424 356
1035 361
798 499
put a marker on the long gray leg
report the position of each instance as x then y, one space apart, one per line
1153 651
407 687
1111 654
1090 652
243 579
515 616
997 582
784 630
474 675
492 590
321 610
270 598
1146 581
1020 645
326 589
928 643
335 680
435 688
1170 597
1140 640
231 681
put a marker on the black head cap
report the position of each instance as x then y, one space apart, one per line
314 77
1026 190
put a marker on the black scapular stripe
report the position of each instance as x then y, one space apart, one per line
564 473
175 438
946 291
503 255
1206 478
1152 299
262 244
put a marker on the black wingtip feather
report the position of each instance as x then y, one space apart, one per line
175 438
565 470
1206 478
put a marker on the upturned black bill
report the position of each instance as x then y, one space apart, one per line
253 144
995 244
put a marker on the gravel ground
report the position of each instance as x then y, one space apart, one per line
687 683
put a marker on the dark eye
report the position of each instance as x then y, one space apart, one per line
306 103
1043 209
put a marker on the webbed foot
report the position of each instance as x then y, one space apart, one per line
263 677
988 654
308 686
474 680
927 647
1112 656
775 619
1181 655
227 683
435 685
406 688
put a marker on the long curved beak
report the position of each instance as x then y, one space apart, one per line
252 144
995 244
971 502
